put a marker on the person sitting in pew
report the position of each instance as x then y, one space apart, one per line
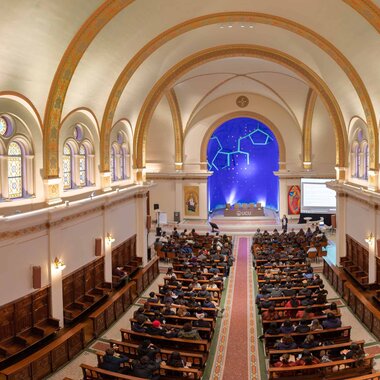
139 325
288 291
112 361
200 322
182 311
209 304
287 327
354 352
157 329
292 303
146 368
305 291
306 313
168 310
317 280
192 302
170 273
178 290
285 361
270 315
273 329
187 332
302 327
307 301
286 343
276 292
147 348
307 358
266 303
309 342
175 360
315 325
152 298
168 297
139 311
332 322
204 293
333 309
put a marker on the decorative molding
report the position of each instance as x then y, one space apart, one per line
368 10
62 78
254 17
225 51
242 101
307 124
179 176
177 124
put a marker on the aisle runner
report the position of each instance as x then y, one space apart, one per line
235 357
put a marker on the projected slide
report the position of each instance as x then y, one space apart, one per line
316 197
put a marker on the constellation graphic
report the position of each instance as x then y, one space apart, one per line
263 138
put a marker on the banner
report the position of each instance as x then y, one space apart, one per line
294 200
191 199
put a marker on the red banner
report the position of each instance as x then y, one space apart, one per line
294 200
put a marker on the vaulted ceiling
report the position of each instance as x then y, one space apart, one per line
132 44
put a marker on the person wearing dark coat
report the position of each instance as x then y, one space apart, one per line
146 348
146 368
113 363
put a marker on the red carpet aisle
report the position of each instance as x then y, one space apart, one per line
235 356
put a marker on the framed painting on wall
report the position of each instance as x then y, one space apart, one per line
191 199
294 200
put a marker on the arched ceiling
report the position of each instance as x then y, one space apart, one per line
37 33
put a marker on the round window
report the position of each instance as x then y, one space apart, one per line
6 128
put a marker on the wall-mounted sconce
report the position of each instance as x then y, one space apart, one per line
59 264
370 238
110 238
67 203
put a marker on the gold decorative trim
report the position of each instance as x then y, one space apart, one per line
23 231
242 113
307 124
177 124
368 10
224 51
62 78
216 18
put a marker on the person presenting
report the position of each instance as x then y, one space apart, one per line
284 223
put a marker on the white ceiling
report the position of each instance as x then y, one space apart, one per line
36 33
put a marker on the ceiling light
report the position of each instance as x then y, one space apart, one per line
242 26
251 27
230 26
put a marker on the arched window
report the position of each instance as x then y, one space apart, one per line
123 173
15 171
67 167
82 166
113 164
366 161
357 161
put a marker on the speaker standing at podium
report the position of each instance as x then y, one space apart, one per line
284 223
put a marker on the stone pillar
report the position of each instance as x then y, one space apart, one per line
4 176
341 173
283 201
29 180
52 190
373 180
105 178
341 204
140 175
141 230
179 197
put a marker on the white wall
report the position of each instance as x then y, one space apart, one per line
68 233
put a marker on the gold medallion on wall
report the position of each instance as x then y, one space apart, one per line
242 101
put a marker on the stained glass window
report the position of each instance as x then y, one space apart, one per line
122 164
112 164
82 166
357 163
3 126
15 189
366 162
67 165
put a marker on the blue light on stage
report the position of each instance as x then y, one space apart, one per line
242 153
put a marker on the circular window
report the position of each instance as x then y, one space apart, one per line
78 132
5 126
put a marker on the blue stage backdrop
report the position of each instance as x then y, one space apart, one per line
243 154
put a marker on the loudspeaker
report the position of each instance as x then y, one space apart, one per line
177 216
156 206
158 231
148 222
36 277
98 246
149 254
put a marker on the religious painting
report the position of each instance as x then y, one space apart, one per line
191 198
294 200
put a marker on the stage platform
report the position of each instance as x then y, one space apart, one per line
239 224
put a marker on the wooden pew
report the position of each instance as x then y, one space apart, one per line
274 355
186 344
340 369
198 360
338 335
176 372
